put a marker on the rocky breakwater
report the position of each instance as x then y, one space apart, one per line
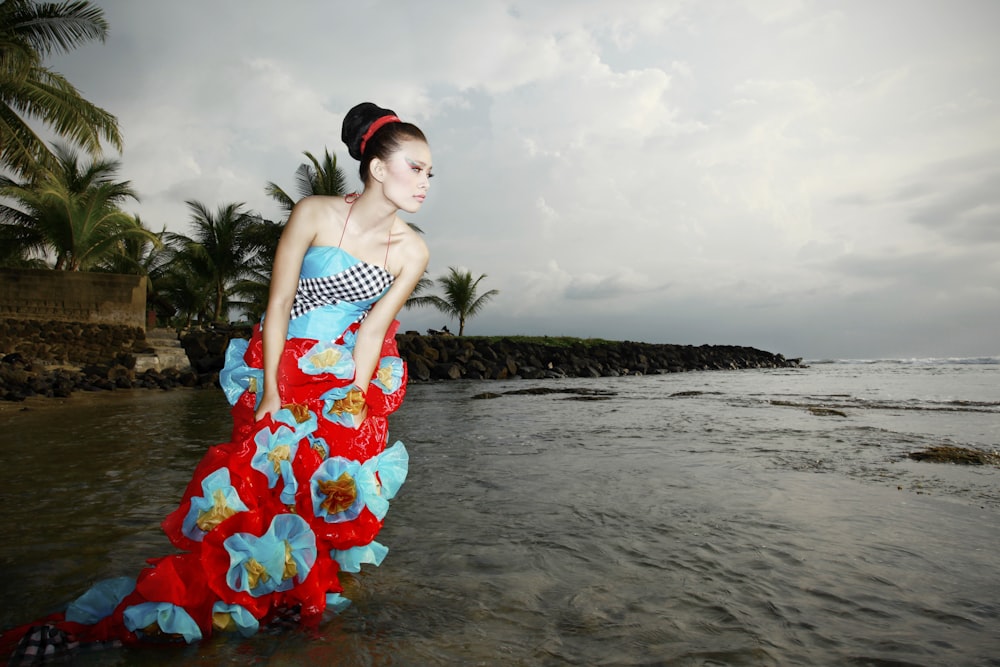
54 359
443 357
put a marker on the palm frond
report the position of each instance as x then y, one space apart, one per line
49 26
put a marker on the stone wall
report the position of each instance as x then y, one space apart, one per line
51 358
51 342
73 296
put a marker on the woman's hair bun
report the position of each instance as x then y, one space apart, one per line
356 123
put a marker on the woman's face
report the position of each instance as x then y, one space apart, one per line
407 175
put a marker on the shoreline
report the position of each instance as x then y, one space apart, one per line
429 358
78 398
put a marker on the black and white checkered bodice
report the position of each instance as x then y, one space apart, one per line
360 284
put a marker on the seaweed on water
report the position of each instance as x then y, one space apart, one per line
818 410
826 412
581 394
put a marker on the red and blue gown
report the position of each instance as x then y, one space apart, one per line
271 517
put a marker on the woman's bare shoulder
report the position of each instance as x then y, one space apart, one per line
412 248
320 214
321 205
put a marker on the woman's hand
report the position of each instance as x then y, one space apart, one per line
269 404
359 417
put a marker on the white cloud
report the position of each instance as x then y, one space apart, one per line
772 172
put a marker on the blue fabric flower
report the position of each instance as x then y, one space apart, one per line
170 618
299 418
218 502
341 487
98 602
319 444
275 561
275 452
330 408
336 493
389 375
328 358
336 603
350 560
237 377
224 615
381 476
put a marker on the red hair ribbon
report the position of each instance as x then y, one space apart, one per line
374 127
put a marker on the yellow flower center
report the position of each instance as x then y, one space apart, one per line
340 493
298 410
209 519
222 620
291 569
352 404
385 376
279 454
256 573
326 358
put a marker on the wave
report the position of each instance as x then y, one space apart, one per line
915 361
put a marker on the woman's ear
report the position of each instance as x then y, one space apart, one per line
377 169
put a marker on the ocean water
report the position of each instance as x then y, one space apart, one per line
767 517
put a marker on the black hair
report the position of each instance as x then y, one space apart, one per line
382 143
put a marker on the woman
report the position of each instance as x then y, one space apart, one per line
396 171
271 518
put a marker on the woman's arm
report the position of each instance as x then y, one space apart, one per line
298 235
371 334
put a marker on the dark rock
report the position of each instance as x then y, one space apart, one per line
188 378
960 455
118 372
446 372
418 369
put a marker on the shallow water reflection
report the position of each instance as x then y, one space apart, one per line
539 530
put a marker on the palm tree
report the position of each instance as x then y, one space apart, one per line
147 256
220 252
140 256
184 290
71 210
460 298
317 178
422 286
16 251
29 31
253 288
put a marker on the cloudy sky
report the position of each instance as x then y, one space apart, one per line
815 178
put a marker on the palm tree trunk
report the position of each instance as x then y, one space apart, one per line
218 303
